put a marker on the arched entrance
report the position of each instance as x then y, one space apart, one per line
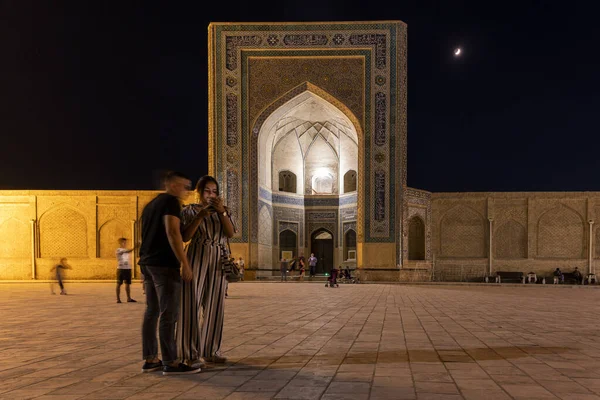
416 239
321 244
266 116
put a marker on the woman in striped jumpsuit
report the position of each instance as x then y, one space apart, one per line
200 324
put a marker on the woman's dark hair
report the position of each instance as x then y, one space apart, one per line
203 181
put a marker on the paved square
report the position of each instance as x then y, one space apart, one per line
305 341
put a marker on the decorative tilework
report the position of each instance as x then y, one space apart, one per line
291 226
283 214
379 195
231 47
233 195
265 194
373 39
383 46
320 216
380 111
348 214
265 222
348 226
347 200
305 40
231 81
338 39
283 199
232 119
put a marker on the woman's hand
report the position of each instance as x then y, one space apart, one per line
217 204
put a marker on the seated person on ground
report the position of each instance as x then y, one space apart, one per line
347 273
558 275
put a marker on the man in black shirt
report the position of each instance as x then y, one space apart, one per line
161 257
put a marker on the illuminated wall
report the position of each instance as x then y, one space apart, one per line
527 231
37 228
530 231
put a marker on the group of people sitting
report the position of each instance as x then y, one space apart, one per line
558 276
339 273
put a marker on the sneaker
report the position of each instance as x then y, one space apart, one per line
195 364
152 366
215 359
181 369
131 301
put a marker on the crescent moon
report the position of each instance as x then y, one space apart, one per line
457 52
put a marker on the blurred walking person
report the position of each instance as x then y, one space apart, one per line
59 271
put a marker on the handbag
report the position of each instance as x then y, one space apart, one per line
228 265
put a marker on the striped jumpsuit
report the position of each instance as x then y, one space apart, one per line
200 324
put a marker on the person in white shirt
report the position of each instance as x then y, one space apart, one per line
124 270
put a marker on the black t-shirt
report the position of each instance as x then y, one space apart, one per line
155 250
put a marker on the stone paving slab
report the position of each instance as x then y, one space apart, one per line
290 341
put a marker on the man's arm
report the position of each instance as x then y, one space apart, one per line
172 226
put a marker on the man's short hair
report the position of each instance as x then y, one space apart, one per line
121 239
170 175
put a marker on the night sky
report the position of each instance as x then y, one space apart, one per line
105 95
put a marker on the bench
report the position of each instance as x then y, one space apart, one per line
570 278
510 276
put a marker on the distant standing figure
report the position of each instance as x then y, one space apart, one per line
241 266
124 270
302 267
283 266
312 264
59 270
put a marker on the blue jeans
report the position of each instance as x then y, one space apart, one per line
163 295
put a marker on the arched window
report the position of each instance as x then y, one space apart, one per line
288 242
350 245
350 181
416 239
323 185
287 182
